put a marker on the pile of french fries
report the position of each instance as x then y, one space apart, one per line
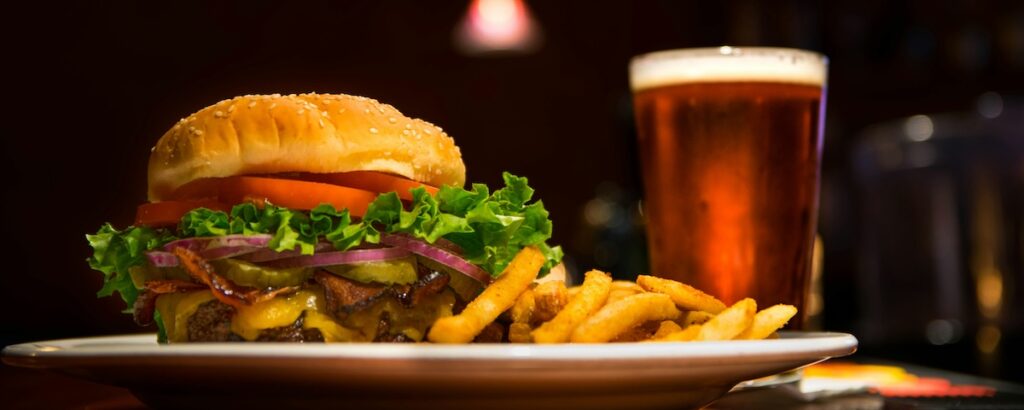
602 310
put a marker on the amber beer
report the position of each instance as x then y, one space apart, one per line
730 143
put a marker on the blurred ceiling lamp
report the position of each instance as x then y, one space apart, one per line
497 27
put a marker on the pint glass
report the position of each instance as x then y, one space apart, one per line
730 144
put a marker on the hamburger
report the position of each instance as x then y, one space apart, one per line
311 218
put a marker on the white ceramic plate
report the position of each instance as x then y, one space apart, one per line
491 376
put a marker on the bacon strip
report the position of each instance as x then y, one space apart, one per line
223 288
172 286
345 296
432 283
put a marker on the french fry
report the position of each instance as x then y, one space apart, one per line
694 317
622 289
730 323
625 284
550 298
591 297
616 318
685 296
494 300
686 335
767 321
519 333
641 332
666 328
522 310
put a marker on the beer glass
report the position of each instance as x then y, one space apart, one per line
730 144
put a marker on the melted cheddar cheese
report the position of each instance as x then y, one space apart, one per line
177 308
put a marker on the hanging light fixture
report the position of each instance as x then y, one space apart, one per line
497 27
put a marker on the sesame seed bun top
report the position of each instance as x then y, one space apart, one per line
315 133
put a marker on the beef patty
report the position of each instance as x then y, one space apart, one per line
212 323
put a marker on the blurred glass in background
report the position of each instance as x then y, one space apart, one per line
941 251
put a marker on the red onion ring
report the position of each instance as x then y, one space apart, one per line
437 254
162 259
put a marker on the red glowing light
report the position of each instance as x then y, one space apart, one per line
497 25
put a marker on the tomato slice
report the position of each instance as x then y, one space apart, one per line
370 181
168 213
288 193
350 190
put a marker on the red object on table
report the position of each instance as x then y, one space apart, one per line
894 381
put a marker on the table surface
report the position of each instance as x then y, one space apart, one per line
34 389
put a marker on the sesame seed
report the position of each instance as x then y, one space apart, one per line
252 104
392 120
373 130
218 114
341 110
408 126
198 132
405 132
272 105
231 108
366 111
301 111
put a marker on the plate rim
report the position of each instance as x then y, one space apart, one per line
790 343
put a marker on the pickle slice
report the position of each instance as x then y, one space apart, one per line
400 271
247 274
145 273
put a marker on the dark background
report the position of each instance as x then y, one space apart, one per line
90 87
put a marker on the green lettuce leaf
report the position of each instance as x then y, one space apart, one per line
204 222
491 228
161 329
114 252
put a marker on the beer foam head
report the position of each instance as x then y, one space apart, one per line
727 64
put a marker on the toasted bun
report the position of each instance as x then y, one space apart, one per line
316 133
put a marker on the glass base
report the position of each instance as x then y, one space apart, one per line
791 376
